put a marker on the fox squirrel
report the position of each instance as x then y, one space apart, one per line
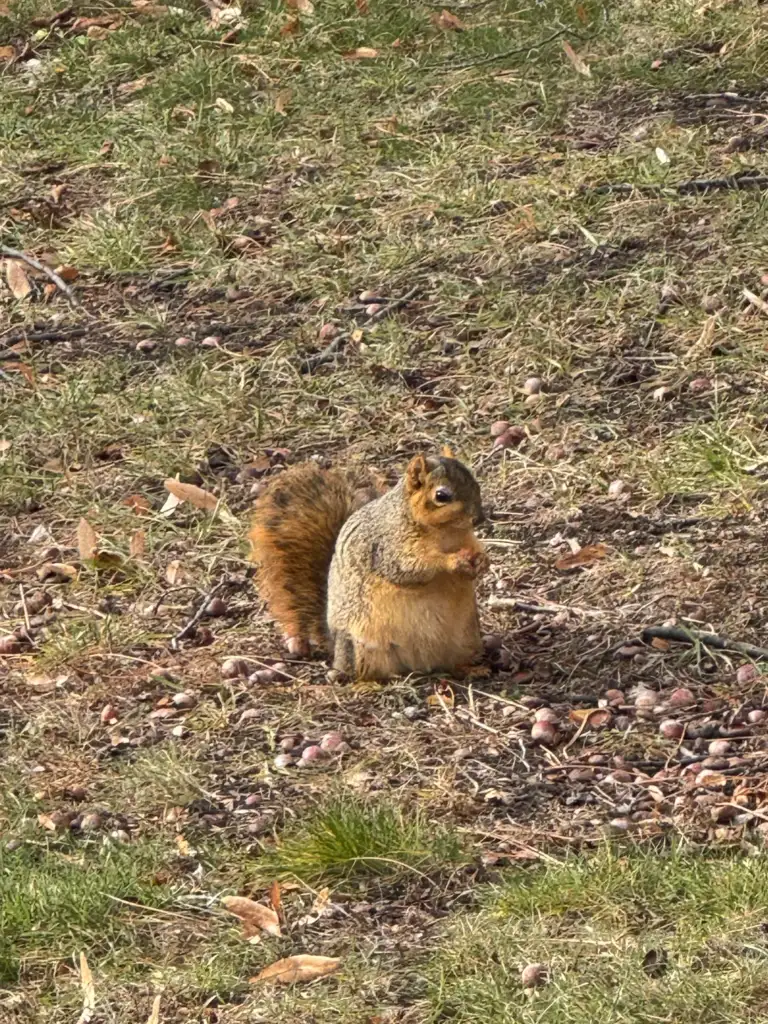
384 578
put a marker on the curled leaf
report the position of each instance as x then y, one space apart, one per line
298 968
583 557
580 65
17 279
448 22
256 917
194 495
362 53
87 540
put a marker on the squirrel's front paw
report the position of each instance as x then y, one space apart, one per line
470 563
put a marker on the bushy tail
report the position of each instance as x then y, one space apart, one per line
295 526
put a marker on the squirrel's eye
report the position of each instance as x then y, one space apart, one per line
443 495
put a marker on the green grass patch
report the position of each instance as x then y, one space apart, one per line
346 839
637 937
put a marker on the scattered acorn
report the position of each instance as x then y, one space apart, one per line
747 673
284 761
532 386
312 753
216 607
681 698
183 342
546 715
616 488
511 438
645 698
700 385
534 975
146 345
234 667
719 748
671 730
184 699
711 303
211 341
90 822
757 716
373 308
544 733
615 698
367 297
328 332
499 427
492 642
331 741
108 714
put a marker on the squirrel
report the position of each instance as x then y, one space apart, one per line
383 578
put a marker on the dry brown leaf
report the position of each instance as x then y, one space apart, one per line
362 6
660 643
87 540
581 14
89 991
256 917
361 53
580 65
299 968
275 897
67 273
172 571
582 558
593 717
282 99
194 495
17 279
57 191
448 22
138 544
154 1017
7 53
129 88
292 27
302 6
138 503
26 371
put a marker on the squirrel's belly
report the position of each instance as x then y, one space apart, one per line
423 629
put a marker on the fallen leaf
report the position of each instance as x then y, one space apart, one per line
282 99
581 14
223 105
583 557
661 155
138 503
362 6
172 571
89 991
291 27
7 53
154 1017
593 717
443 697
275 898
61 570
302 6
17 279
298 968
128 88
67 273
87 540
26 371
256 917
138 544
319 908
581 66
448 22
660 643
194 495
361 53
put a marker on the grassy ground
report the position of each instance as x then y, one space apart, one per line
244 178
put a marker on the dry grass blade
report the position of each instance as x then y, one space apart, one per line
154 1017
580 65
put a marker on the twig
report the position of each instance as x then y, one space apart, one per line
393 305
756 301
24 607
538 609
694 185
62 285
190 625
492 57
693 636
326 355
52 335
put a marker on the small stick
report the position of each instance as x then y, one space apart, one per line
493 57
536 609
692 636
61 284
24 607
393 305
694 185
327 355
187 629
54 335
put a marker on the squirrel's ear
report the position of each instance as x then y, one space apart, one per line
416 473
447 452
